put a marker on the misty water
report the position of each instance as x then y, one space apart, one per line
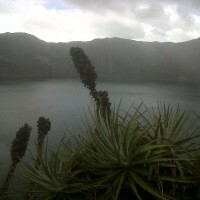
64 102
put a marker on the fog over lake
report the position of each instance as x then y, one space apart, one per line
63 102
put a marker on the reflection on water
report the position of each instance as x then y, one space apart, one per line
63 101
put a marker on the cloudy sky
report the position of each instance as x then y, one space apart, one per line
83 20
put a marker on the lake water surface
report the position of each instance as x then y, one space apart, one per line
63 102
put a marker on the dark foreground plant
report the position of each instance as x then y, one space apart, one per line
180 128
88 77
124 152
120 155
44 126
55 175
18 149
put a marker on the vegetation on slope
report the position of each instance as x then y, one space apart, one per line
25 56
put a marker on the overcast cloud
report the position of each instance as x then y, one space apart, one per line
72 20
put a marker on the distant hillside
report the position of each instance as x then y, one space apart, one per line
25 56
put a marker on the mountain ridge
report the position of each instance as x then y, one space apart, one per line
25 56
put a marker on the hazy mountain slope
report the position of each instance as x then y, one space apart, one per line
23 56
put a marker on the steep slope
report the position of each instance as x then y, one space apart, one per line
25 56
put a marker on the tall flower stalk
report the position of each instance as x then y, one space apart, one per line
88 77
18 150
44 126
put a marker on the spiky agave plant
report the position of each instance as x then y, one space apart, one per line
56 175
121 153
18 149
181 128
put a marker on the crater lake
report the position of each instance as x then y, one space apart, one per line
65 101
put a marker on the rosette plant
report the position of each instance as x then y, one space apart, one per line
180 128
54 175
135 154
124 156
